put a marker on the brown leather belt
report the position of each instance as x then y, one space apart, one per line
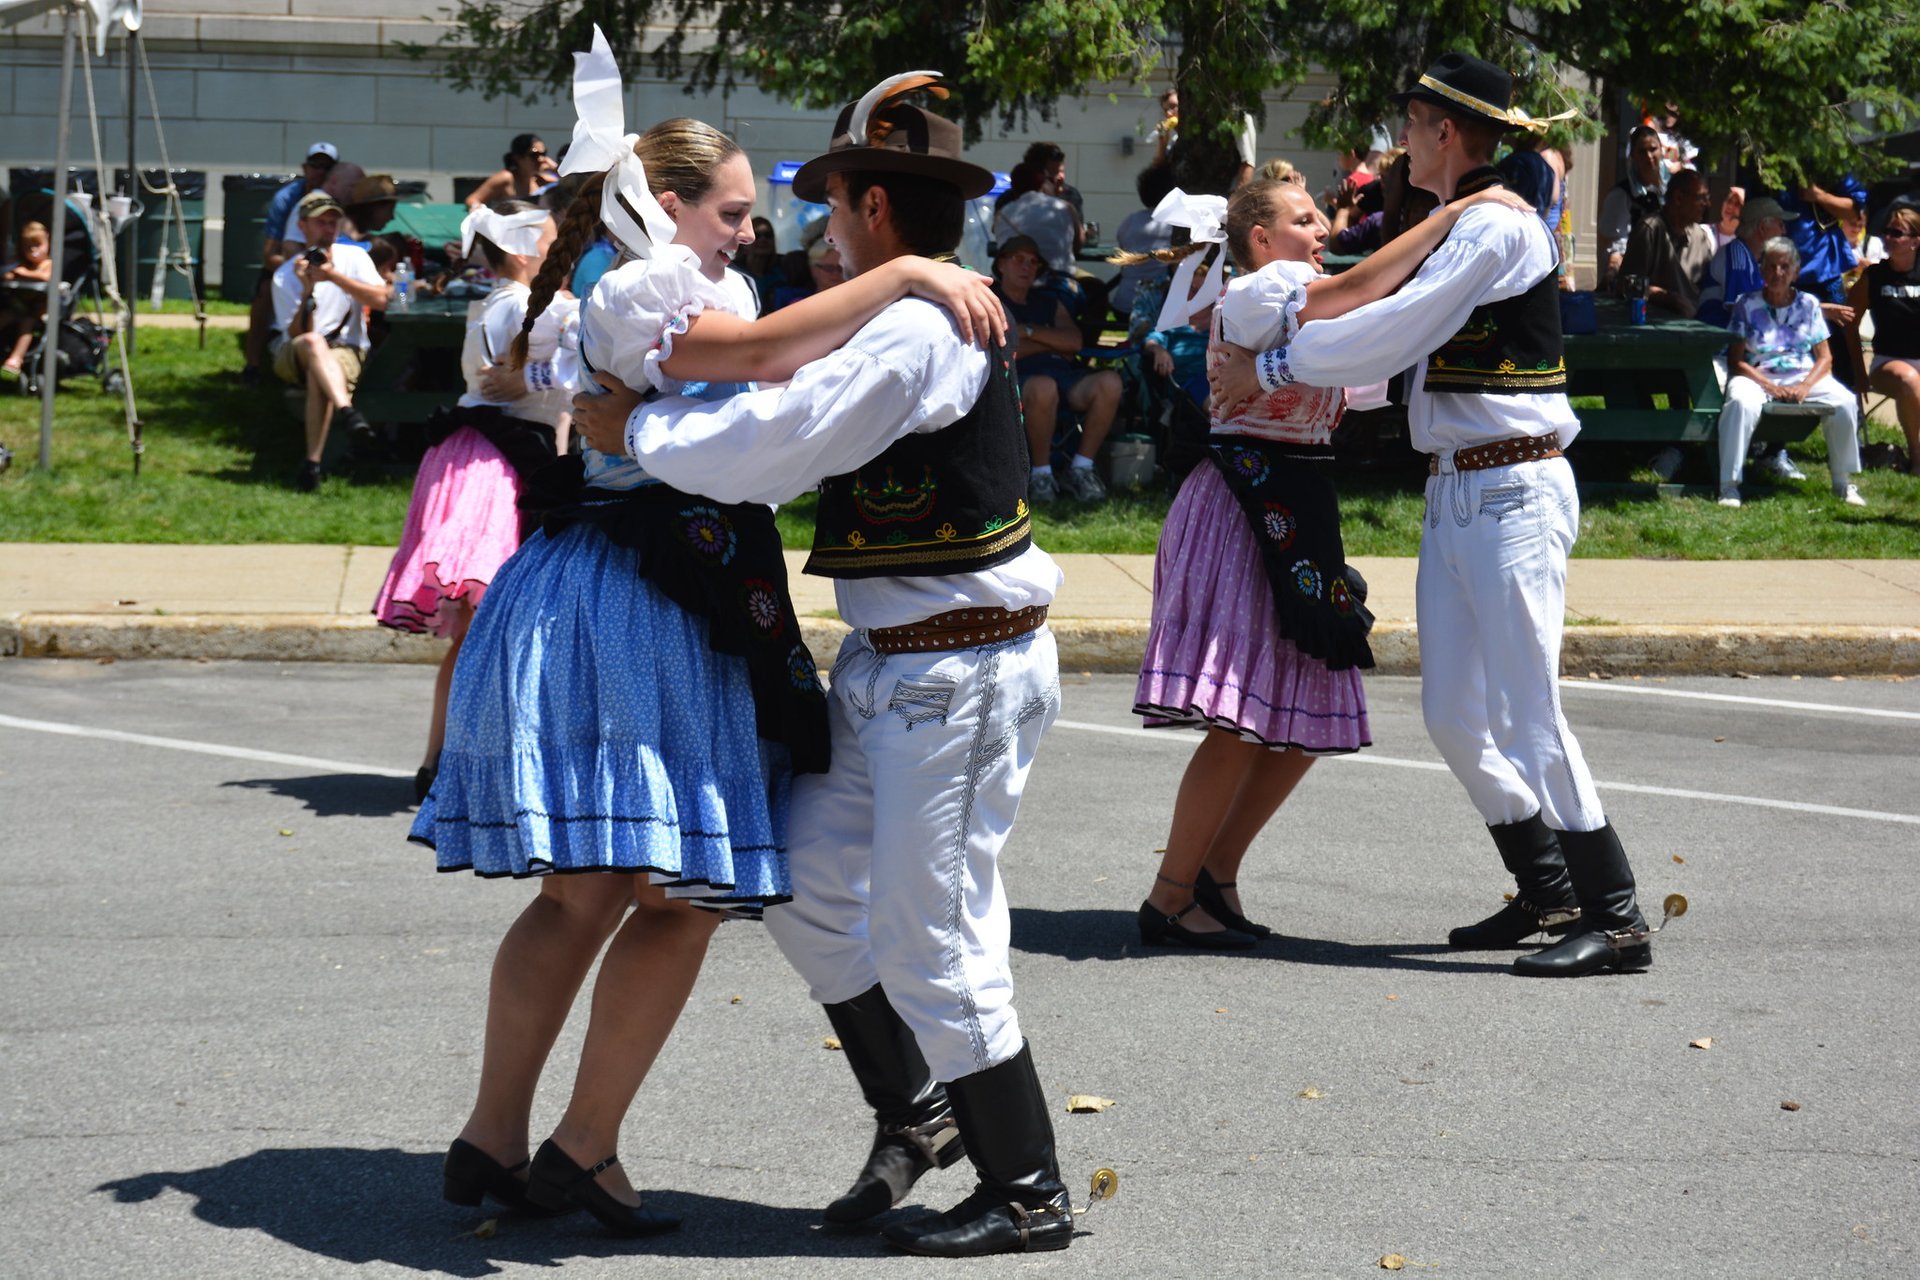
958 629
1501 453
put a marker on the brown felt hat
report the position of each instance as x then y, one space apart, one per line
898 139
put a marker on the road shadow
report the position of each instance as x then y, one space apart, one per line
340 795
1114 935
362 1205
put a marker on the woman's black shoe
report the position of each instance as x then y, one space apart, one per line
1158 929
471 1175
423 780
556 1182
1207 892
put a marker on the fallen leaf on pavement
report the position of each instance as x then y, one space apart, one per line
735 1000
286 831
1392 1262
1309 1093
1083 1104
1789 1105
831 1042
1219 1010
487 1230
1704 1042
1679 861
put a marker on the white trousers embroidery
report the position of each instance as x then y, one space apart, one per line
1746 401
895 852
1491 600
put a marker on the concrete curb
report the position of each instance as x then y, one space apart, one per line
1086 644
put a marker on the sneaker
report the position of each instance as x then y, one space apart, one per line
1781 467
1666 463
1042 489
1730 495
308 477
1084 484
1849 494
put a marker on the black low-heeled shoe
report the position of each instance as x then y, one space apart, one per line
470 1175
1158 929
556 1182
423 780
1207 892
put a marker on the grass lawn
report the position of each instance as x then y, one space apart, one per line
220 457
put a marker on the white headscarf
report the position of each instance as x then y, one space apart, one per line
513 232
601 143
1204 217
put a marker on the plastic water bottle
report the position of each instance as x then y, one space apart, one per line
403 286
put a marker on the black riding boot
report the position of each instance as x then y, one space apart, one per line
1020 1205
916 1129
1545 900
1612 932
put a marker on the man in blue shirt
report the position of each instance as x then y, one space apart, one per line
1825 254
321 157
1735 269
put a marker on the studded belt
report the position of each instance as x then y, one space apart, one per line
1501 453
958 629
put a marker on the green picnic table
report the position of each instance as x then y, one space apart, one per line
1627 366
417 368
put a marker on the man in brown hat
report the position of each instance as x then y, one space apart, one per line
899 920
1480 325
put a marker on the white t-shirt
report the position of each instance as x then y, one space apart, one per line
1048 219
336 316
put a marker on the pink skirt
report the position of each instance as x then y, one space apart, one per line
1215 656
461 526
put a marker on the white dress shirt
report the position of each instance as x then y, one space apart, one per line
1493 252
906 371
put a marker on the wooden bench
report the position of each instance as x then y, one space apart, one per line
1783 424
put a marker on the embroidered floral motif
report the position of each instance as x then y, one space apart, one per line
856 539
1306 578
800 670
1020 509
763 606
1249 464
1341 595
894 502
1281 526
709 533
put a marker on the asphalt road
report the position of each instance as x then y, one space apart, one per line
240 1017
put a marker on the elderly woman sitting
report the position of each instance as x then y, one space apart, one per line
1779 352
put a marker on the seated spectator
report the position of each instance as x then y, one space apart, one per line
1636 196
281 215
1726 227
1672 252
1178 352
1033 209
1051 162
823 265
370 205
1780 352
320 332
1049 379
525 171
1889 290
759 261
1141 233
25 309
1734 270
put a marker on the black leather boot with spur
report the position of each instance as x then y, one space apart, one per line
1544 902
1612 933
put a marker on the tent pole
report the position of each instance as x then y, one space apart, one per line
58 232
129 272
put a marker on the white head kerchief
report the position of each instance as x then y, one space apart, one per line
1204 218
601 143
513 232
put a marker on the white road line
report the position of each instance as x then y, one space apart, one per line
1635 788
201 748
1597 686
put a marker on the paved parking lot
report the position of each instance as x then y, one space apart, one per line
241 1017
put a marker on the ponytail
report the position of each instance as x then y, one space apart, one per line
576 233
1126 258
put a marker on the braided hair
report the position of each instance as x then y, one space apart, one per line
681 155
1254 203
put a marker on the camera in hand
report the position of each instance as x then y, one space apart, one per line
315 256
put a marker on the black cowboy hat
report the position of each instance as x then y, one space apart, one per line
1473 86
897 139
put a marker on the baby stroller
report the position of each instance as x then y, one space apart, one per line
82 341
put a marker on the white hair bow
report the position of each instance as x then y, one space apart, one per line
601 143
1204 218
513 232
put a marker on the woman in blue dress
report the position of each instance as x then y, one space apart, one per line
635 696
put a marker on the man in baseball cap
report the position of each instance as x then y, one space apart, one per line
1735 269
281 241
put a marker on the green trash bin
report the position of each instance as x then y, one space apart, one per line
248 195
157 231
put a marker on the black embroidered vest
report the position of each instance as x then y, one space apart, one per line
934 502
1509 347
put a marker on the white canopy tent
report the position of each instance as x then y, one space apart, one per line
105 15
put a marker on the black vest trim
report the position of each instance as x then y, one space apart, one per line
1508 347
936 502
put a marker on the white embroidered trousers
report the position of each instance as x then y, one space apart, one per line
1741 414
895 851
1491 599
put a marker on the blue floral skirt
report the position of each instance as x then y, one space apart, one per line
591 728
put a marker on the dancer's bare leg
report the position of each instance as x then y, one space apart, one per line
1207 791
1266 780
643 985
443 682
536 974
